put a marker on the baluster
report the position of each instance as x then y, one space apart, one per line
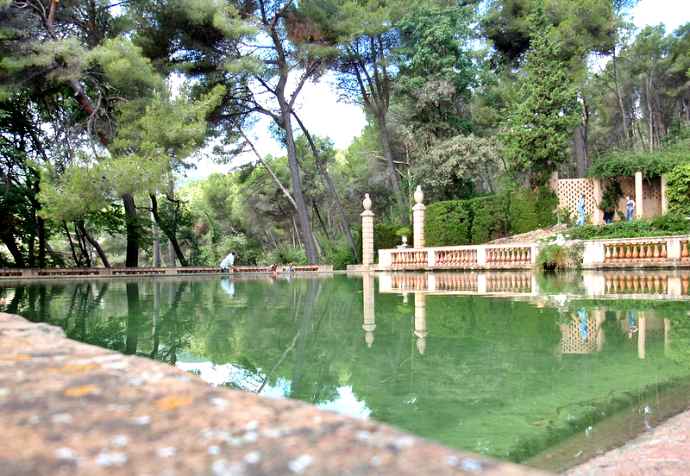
684 251
635 251
663 253
628 251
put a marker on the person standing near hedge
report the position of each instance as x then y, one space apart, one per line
629 208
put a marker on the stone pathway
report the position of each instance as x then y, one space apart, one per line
73 409
665 450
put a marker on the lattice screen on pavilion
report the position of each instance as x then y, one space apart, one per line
572 341
569 191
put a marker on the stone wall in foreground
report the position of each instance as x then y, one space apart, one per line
68 408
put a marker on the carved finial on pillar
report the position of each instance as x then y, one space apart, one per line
418 195
366 202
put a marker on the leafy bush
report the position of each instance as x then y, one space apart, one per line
339 255
490 219
678 191
448 223
482 219
670 224
626 163
530 210
284 255
553 257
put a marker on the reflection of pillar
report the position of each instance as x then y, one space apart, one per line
599 317
639 195
367 232
641 337
369 325
667 335
420 321
418 219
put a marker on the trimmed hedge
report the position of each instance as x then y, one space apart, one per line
482 219
448 222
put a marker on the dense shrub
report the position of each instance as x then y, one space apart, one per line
284 255
448 223
678 190
554 257
482 219
339 255
489 218
671 224
531 210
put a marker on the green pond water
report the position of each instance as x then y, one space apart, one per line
546 372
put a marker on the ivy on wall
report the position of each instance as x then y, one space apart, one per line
678 189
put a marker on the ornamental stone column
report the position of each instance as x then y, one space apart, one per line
664 191
367 232
639 195
418 218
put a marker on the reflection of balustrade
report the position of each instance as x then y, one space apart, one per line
513 283
636 284
409 259
509 255
684 282
684 249
452 258
412 282
634 251
456 282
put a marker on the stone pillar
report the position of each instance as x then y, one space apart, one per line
639 196
664 198
367 232
418 219
368 292
597 214
420 321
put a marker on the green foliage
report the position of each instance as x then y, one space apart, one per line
611 196
544 112
482 219
678 190
448 223
531 210
489 218
626 163
670 224
283 255
553 257
339 255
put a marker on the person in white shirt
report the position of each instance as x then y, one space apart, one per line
228 262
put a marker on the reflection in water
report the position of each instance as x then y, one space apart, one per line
507 374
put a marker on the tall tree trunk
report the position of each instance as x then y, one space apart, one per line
650 113
393 178
77 261
8 241
296 181
330 186
82 245
132 257
170 234
619 97
93 242
41 232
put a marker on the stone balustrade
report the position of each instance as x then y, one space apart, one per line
409 259
519 256
451 258
521 283
636 250
666 251
509 255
